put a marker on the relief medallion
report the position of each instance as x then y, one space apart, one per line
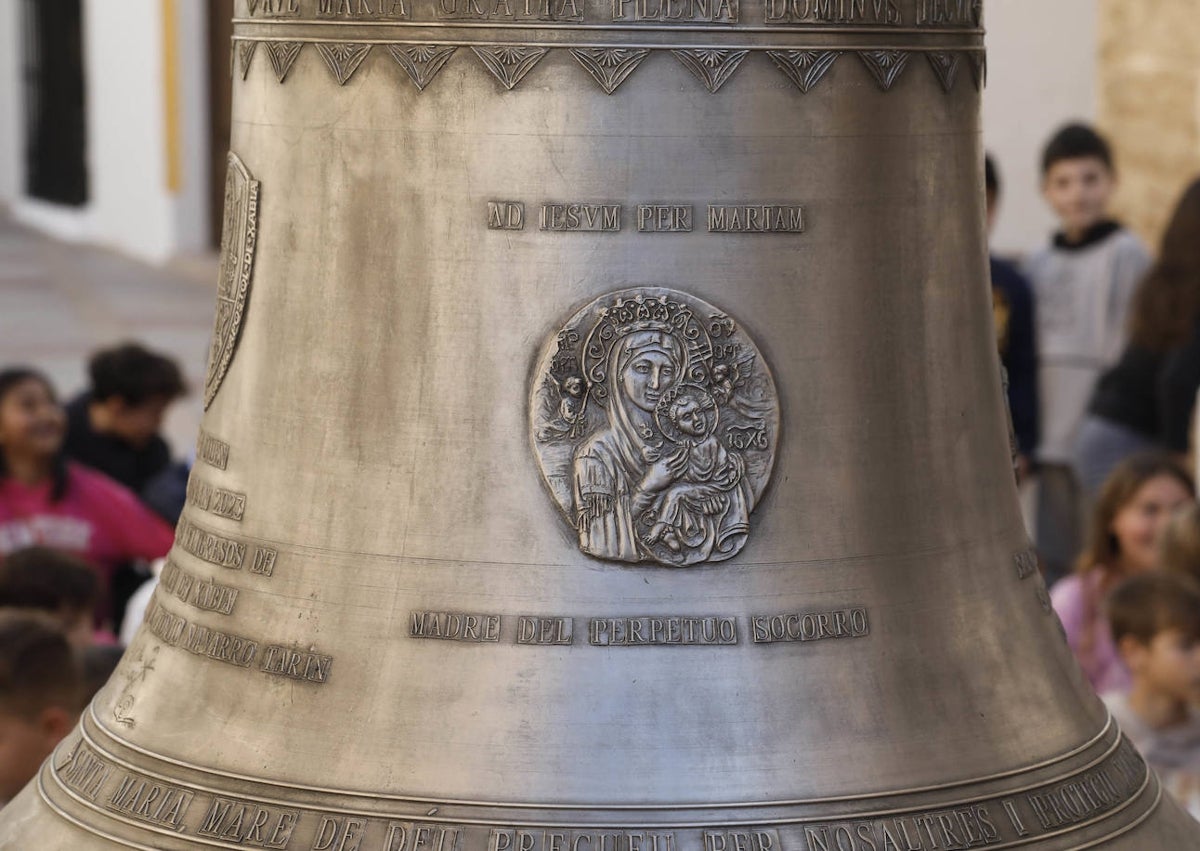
655 422
239 236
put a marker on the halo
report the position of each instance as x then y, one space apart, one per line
662 411
652 310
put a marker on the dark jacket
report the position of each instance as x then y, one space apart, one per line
1012 303
1178 384
131 466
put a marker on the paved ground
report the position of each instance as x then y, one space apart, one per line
59 302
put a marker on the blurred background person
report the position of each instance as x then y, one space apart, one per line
1155 622
46 500
40 699
1180 379
114 425
1146 399
58 585
1179 550
1012 308
46 582
1134 506
1082 283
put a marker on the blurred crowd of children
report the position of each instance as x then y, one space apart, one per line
1101 343
89 496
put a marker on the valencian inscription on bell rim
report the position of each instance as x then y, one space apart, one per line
655 422
932 14
1048 808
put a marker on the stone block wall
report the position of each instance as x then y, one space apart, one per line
1149 104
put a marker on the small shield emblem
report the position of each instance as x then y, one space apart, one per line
238 237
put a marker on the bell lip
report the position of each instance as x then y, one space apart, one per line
1149 786
1110 727
1150 810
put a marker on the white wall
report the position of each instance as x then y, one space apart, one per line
1042 73
190 220
131 207
1042 68
11 126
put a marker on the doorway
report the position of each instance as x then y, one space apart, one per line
220 103
55 114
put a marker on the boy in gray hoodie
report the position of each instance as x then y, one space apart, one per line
1082 284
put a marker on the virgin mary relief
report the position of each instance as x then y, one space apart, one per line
655 422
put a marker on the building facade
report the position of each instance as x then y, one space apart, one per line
1148 91
151 124
105 122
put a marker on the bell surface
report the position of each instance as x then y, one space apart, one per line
604 451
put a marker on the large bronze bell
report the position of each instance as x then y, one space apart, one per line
604 452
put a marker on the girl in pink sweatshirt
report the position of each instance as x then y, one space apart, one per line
48 501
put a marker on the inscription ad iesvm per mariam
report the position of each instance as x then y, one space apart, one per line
649 218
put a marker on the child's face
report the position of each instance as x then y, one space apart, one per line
1139 524
31 421
691 418
1169 664
1078 190
137 424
